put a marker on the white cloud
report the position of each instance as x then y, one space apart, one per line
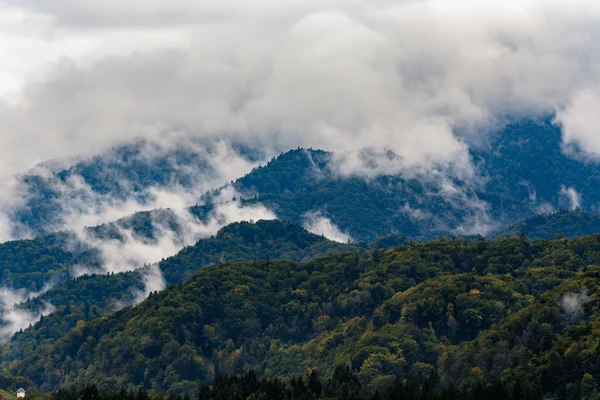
80 205
318 224
571 196
545 208
132 252
14 318
572 304
415 214
153 280
580 122
329 74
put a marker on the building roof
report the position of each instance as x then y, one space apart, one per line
21 390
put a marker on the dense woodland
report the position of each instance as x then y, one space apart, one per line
342 385
567 223
90 296
267 310
519 168
449 313
302 181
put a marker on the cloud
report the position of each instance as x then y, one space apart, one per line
399 75
571 196
415 214
580 123
153 280
318 224
572 305
220 164
132 252
180 169
545 208
13 317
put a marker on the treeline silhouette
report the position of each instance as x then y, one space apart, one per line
343 385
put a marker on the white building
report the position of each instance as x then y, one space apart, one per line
21 392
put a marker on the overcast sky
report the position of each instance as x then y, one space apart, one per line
78 76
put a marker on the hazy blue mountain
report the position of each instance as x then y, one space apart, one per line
524 171
124 173
567 223
527 161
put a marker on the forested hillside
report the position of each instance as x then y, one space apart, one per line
422 313
521 168
410 312
90 296
342 385
554 343
126 172
567 223
31 264
304 181
299 200
527 160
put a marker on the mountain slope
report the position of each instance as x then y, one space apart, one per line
91 296
262 240
523 168
528 161
124 174
280 317
32 264
303 182
553 343
568 223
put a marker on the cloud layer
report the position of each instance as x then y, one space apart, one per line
14 318
174 173
131 252
405 75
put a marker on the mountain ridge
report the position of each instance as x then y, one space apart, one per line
357 305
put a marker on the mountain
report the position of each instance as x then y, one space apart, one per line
567 223
126 174
261 240
519 170
90 296
32 264
528 161
553 342
522 170
422 312
301 182
384 313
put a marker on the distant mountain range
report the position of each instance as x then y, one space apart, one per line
128 173
521 171
567 223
